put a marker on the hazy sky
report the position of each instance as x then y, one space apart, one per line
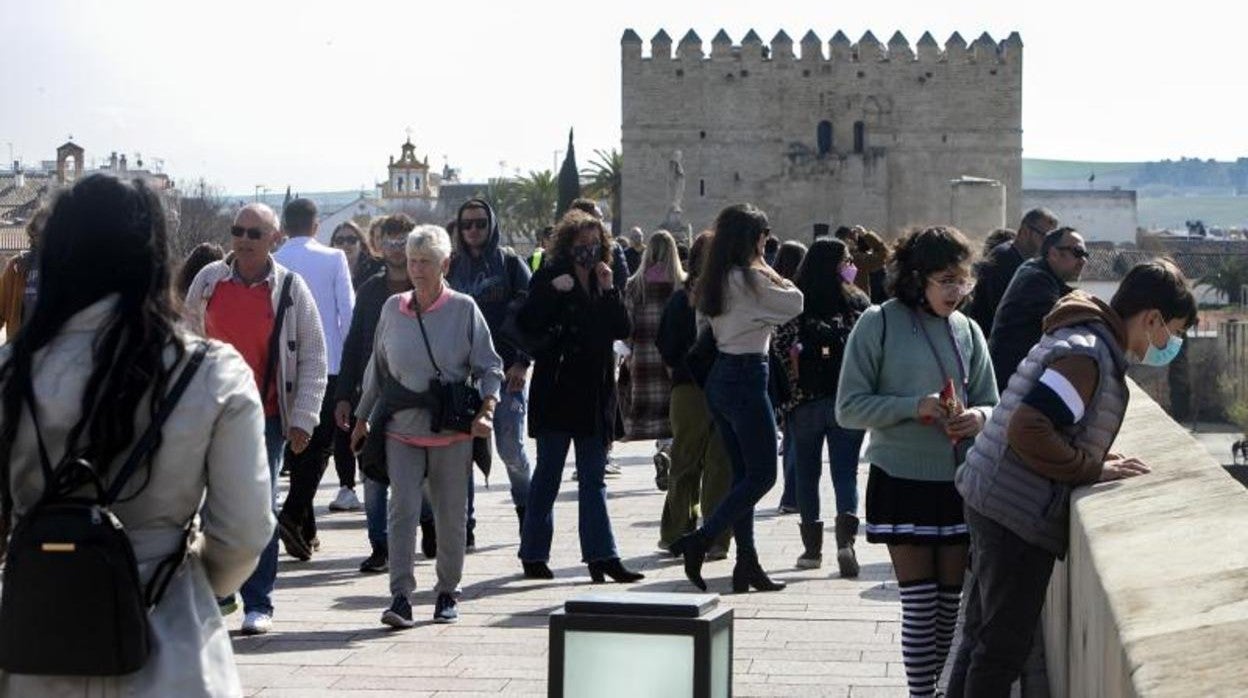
318 94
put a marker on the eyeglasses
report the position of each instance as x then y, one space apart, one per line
478 223
962 287
1076 252
394 243
347 240
252 233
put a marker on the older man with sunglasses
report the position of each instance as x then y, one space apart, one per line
1037 286
996 271
267 313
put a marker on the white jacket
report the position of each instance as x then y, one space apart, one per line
325 271
212 451
302 371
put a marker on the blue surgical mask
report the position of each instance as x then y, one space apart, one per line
1163 357
586 255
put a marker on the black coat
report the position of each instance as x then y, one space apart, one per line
1019 320
993 277
678 331
573 386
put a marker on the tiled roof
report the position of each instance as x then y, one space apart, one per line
1113 264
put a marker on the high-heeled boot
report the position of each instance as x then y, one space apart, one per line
692 546
613 568
748 573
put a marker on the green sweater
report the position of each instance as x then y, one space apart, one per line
889 367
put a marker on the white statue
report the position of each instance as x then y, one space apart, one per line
676 183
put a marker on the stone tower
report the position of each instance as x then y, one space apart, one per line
408 176
842 133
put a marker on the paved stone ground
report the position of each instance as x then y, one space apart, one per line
823 636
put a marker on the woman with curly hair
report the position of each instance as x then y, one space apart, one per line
917 376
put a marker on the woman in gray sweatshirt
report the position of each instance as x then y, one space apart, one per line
429 333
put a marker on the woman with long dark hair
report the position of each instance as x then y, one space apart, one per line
917 375
575 307
100 352
362 259
788 260
813 345
745 300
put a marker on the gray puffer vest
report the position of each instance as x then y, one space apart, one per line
998 484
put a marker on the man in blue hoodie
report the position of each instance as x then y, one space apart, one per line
495 276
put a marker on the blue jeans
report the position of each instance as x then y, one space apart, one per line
257 591
813 423
736 391
594 524
509 440
376 499
788 496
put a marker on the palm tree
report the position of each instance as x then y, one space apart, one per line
536 195
1229 278
605 176
501 194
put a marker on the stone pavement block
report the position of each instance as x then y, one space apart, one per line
878 692
824 636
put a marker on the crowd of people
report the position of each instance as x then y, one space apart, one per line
410 354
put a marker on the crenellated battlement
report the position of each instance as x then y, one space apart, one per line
839 49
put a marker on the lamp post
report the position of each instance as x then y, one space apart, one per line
618 645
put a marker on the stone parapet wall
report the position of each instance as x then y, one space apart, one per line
1152 599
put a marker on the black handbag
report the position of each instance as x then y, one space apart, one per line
72 602
458 403
372 456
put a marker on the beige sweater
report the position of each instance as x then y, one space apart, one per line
752 314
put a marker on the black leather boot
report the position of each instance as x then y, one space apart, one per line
846 530
812 540
537 570
748 574
613 568
692 546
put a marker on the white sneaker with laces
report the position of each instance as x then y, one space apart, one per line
256 623
345 501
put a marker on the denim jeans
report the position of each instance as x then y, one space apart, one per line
812 424
788 495
376 499
736 391
509 420
593 523
257 591
1003 604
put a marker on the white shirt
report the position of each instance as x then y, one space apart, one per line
752 313
326 273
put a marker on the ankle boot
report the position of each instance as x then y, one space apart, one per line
846 530
812 540
537 570
748 574
692 546
614 569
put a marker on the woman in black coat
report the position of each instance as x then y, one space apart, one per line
572 316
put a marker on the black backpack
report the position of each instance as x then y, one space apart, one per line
72 602
822 341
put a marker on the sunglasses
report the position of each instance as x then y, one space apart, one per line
478 223
1076 252
252 233
348 240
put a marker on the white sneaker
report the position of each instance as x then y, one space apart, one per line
612 469
345 501
256 623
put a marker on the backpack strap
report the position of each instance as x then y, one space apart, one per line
275 339
148 440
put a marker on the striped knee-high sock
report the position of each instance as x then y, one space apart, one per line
948 599
918 635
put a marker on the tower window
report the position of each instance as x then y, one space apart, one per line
702 135
701 187
860 136
823 137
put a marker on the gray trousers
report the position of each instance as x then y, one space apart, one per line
447 469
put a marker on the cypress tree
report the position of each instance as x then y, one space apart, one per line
569 180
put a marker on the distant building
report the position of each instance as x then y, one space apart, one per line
1108 264
1101 215
23 190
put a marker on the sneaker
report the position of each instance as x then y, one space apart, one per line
399 615
662 467
785 509
315 545
292 540
376 563
345 501
256 623
227 605
612 469
445 611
